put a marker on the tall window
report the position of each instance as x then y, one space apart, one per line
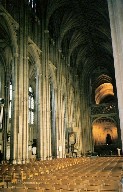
31 106
10 100
32 3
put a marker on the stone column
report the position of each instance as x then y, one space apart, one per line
58 104
23 110
83 109
6 114
57 122
45 97
63 127
49 123
2 83
116 23
23 86
2 96
24 127
61 110
39 116
59 118
14 124
19 125
53 121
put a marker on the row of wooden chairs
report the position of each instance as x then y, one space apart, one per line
71 174
14 173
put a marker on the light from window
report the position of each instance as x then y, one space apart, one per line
31 106
32 103
32 4
32 117
10 91
10 100
30 89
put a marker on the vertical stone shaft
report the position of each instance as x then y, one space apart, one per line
14 125
116 23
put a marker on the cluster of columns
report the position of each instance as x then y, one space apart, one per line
46 133
20 82
116 23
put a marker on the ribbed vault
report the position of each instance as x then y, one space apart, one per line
81 30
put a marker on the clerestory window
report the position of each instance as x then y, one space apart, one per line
32 3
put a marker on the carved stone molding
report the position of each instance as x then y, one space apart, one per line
38 50
12 25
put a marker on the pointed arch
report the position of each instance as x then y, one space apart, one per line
10 28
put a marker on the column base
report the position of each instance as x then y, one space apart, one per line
19 161
14 161
23 161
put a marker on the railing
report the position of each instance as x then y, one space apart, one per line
108 108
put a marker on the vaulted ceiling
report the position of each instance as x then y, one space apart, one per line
81 28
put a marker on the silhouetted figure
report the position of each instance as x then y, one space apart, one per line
108 139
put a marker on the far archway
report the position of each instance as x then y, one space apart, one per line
105 136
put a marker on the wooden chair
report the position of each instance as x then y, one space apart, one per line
8 177
93 188
46 186
32 186
19 190
6 190
2 184
110 188
37 190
